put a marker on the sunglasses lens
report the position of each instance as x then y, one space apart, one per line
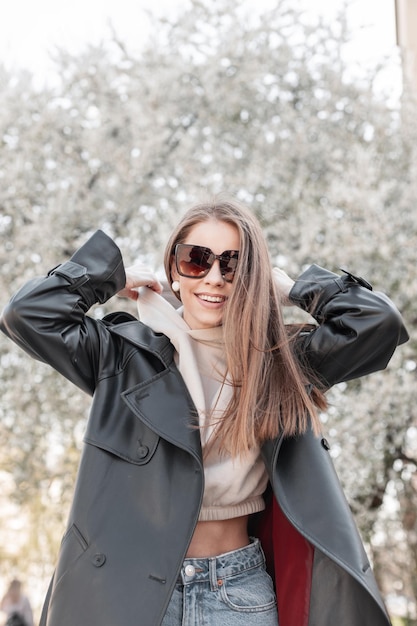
193 261
228 265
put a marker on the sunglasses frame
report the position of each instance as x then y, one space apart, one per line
214 257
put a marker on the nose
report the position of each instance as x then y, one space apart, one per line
214 276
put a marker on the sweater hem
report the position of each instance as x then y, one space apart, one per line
217 513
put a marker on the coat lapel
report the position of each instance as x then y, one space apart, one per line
163 402
164 405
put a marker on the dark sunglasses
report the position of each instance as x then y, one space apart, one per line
197 261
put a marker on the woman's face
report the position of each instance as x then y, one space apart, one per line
204 299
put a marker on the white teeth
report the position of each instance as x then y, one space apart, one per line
212 298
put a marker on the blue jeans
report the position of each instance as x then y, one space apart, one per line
231 589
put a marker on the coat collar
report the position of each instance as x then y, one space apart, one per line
146 339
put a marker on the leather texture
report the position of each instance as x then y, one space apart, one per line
140 482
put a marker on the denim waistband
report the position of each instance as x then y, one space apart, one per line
215 568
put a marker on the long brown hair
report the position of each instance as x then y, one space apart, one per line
270 387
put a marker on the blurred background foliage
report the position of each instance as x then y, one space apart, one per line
268 109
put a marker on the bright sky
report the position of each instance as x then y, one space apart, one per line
30 30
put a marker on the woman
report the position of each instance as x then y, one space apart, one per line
203 441
16 605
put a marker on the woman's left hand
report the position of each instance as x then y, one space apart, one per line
284 284
139 275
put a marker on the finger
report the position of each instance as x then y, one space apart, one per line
128 293
156 286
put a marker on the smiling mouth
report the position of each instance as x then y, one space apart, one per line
215 299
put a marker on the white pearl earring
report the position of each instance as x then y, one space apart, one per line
175 286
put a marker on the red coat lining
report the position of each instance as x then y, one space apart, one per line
289 559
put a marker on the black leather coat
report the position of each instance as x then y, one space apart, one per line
140 481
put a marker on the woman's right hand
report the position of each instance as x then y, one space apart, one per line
139 275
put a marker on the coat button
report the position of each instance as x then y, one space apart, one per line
98 560
142 452
325 444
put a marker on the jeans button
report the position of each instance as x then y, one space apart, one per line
189 570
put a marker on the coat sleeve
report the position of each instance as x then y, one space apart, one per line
358 328
47 316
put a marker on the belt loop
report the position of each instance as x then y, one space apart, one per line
213 573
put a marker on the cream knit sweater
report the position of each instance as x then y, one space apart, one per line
233 486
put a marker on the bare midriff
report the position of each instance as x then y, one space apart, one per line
217 537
